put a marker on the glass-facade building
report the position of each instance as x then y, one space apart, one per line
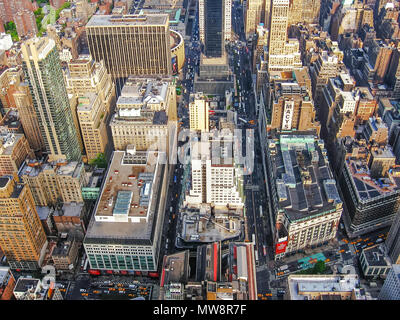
213 28
42 68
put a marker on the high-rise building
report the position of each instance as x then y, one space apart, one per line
370 205
391 287
28 117
42 68
146 114
25 22
214 25
325 67
14 149
253 16
53 182
292 108
92 116
304 11
393 240
305 201
22 237
131 45
126 228
84 75
8 8
284 54
199 114
228 20
216 178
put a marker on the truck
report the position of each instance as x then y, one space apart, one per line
265 250
283 268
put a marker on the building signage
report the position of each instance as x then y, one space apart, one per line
287 115
280 247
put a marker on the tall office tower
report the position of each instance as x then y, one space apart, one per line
22 237
370 206
92 116
306 204
391 286
53 182
198 114
213 24
393 75
228 20
304 11
216 178
253 16
25 22
28 117
325 67
262 42
267 13
14 149
42 68
131 45
85 75
292 108
126 227
284 55
393 240
146 114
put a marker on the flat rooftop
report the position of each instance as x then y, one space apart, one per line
197 226
141 92
376 256
304 182
368 188
128 20
299 286
175 268
8 141
25 284
128 204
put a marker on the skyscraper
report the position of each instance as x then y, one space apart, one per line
283 55
391 287
215 25
28 118
393 240
131 45
22 237
42 68
198 114
253 16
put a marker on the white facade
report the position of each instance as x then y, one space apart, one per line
216 184
5 41
228 20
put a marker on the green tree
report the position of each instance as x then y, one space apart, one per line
319 267
11 29
100 161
